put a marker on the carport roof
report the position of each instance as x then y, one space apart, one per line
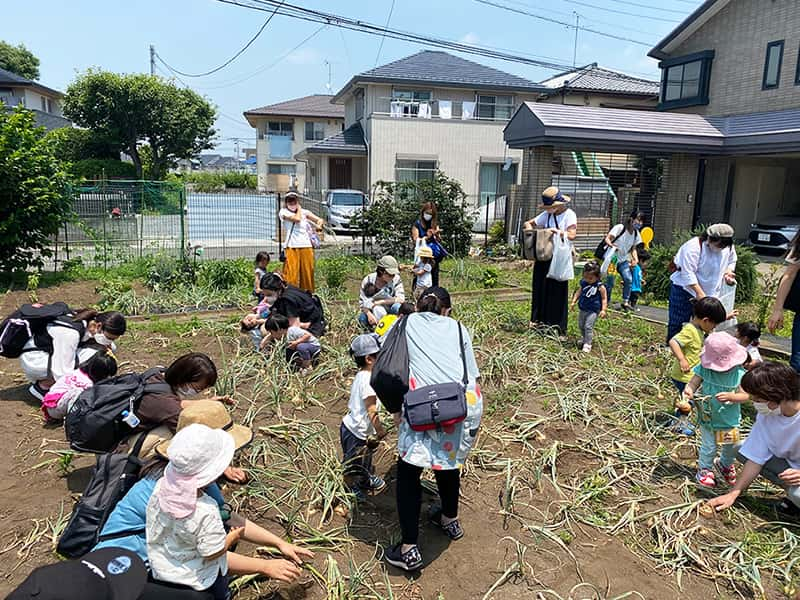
614 129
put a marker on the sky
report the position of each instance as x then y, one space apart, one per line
195 36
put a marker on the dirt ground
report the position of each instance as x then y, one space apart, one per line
36 493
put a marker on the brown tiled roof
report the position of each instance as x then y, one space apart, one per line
317 105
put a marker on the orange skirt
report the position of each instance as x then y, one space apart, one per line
299 268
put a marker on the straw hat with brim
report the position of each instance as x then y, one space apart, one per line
198 455
213 414
552 197
425 252
722 352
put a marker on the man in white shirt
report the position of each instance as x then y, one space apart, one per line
773 447
390 293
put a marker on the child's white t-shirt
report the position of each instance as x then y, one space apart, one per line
295 333
774 435
426 279
755 355
175 547
357 418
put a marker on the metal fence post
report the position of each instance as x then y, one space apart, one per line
182 208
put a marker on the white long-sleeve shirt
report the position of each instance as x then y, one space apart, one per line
393 289
699 264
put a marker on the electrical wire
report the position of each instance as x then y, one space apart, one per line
650 7
380 48
231 59
622 12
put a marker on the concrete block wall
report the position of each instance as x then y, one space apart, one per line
537 174
673 212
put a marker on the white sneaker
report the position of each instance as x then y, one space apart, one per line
587 348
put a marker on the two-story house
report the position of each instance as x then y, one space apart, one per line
284 130
430 111
44 102
725 142
593 85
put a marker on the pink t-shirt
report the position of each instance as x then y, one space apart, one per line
64 391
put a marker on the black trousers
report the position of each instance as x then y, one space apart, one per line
357 459
409 497
549 299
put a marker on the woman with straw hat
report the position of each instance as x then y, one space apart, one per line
129 515
550 297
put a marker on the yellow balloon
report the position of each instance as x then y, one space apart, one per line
647 236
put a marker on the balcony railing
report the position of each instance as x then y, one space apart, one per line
443 109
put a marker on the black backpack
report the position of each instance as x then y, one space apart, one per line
602 247
95 421
112 478
390 373
31 321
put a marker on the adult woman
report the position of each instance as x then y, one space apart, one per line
439 349
125 526
300 307
426 228
624 238
788 278
169 394
549 297
299 267
389 294
74 340
702 265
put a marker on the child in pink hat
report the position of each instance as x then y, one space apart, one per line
718 411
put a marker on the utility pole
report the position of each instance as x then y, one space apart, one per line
152 59
575 47
328 86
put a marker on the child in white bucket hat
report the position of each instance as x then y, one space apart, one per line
186 540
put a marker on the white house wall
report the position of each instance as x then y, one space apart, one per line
457 145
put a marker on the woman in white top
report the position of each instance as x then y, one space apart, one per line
297 221
788 278
624 238
550 297
702 266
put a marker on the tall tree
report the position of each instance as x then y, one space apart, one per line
33 198
134 110
19 60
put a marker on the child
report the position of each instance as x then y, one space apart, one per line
423 271
261 262
773 447
592 299
361 425
301 344
686 346
186 541
637 275
719 413
251 325
68 387
748 334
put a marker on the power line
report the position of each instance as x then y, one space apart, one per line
380 48
231 59
622 12
564 23
650 7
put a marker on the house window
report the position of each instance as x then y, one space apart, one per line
495 108
409 100
414 170
684 80
49 105
44 103
315 131
359 94
281 128
772 65
495 181
273 169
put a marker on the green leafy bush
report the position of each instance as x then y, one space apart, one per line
167 272
102 168
658 282
390 217
225 274
497 233
335 269
490 277
203 181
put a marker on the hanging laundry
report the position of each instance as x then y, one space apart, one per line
467 110
445 109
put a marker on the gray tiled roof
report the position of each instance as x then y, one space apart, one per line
612 129
317 105
593 78
349 141
47 120
9 78
440 68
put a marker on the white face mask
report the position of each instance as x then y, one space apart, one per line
187 391
101 339
763 408
270 299
428 216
